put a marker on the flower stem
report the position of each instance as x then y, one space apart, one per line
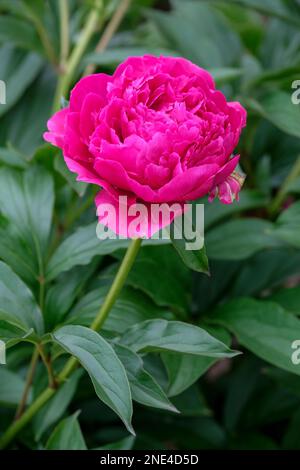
118 283
67 76
109 301
64 31
43 35
48 365
109 31
72 363
29 379
283 191
26 417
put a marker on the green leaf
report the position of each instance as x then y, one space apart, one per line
288 298
11 157
131 307
67 436
267 269
18 70
290 73
152 271
61 295
198 33
249 199
262 327
174 336
194 259
12 334
79 249
61 167
291 438
26 201
287 226
240 239
183 370
277 107
56 407
124 444
18 306
191 403
19 32
116 55
285 380
33 108
244 377
144 388
12 388
225 74
269 7
103 366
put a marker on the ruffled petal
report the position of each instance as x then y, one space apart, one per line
56 128
132 219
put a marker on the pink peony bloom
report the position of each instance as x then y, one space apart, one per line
157 131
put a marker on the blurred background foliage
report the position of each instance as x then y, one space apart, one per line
251 298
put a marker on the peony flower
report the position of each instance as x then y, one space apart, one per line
156 131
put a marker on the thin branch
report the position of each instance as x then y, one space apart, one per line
64 32
284 190
48 364
28 383
109 32
67 76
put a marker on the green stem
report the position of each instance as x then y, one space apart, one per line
29 379
41 292
284 190
64 31
109 301
48 365
118 283
16 427
72 363
109 32
66 78
43 35
46 42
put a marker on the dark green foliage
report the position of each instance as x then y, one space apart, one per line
167 353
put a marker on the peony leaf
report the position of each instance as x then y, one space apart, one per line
103 366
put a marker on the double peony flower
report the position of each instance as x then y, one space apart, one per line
156 131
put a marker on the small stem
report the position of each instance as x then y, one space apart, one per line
48 365
284 190
46 43
118 283
26 417
29 380
64 31
109 31
41 291
72 363
43 35
66 78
